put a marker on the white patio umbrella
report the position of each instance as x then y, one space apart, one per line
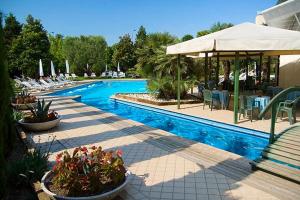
87 66
52 69
41 68
67 67
118 67
106 67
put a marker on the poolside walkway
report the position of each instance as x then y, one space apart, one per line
164 166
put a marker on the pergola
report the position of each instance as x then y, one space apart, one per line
246 39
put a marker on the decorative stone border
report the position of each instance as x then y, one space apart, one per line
142 97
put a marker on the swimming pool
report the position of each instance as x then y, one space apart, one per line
245 142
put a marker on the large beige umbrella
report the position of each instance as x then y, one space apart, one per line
246 37
243 39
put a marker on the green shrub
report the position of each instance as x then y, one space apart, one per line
166 88
29 169
7 129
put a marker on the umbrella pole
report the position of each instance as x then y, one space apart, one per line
178 81
236 86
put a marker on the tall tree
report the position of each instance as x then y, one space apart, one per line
124 53
109 52
7 134
84 50
220 26
186 37
56 51
11 30
30 46
214 28
141 37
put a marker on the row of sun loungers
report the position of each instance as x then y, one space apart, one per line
113 74
43 84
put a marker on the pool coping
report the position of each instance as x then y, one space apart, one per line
218 124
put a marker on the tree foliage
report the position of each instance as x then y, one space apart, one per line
11 30
7 134
186 37
141 37
84 50
124 53
56 51
31 45
214 28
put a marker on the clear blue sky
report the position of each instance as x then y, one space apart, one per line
113 18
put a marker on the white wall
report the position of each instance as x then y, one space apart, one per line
289 71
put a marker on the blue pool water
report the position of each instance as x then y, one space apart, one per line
219 135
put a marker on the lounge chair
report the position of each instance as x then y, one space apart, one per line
74 75
121 75
67 76
115 75
103 74
93 75
85 75
56 83
46 84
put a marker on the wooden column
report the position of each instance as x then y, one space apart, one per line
236 87
217 69
178 81
269 69
260 68
277 71
209 69
205 69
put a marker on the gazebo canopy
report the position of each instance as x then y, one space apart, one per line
244 38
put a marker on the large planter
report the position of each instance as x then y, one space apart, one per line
25 106
42 126
104 196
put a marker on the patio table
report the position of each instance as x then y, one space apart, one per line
222 96
261 101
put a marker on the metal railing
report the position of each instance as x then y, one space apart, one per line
273 105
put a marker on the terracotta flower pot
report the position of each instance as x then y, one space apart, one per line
104 196
41 126
24 106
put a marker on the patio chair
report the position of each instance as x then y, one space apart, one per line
85 75
207 98
74 75
246 105
288 106
93 75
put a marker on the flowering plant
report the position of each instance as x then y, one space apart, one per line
87 172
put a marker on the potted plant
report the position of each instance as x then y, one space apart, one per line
40 118
24 101
94 175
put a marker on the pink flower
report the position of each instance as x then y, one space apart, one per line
84 149
119 152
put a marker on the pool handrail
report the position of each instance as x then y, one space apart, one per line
273 104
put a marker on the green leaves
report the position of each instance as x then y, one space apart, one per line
84 50
31 45
40 113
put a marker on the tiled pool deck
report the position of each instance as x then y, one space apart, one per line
163 165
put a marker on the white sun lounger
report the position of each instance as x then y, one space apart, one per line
93 75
